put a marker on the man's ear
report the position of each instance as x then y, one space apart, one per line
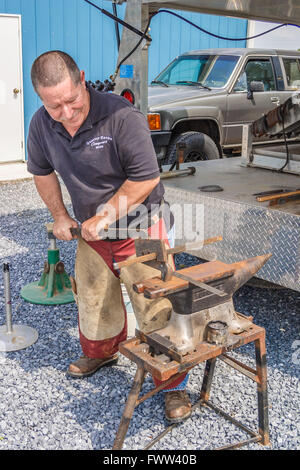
82 77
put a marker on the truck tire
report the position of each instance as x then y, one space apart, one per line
199 146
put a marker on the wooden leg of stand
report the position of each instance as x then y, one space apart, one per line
262 394
207 379
129 408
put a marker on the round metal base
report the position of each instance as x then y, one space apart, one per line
20 337
36 294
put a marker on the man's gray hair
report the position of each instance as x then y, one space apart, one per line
53 67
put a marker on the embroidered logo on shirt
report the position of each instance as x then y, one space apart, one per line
99 142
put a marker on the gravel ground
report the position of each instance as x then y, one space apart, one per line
41 408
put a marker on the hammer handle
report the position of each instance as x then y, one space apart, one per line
191 246
139 259
107 229
277 196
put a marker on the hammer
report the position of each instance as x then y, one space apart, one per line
170 251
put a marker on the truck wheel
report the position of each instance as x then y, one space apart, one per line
198 147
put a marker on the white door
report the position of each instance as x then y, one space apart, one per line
11 90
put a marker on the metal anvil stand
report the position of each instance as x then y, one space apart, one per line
136 351
154 353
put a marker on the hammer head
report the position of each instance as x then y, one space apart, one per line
159 247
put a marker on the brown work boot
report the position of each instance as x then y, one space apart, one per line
178 406
86 366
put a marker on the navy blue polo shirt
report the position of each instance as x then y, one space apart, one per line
112 145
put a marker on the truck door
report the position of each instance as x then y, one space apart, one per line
290 66
242 110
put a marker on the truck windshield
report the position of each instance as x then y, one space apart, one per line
210 70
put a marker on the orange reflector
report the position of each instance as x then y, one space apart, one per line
128 94
154 122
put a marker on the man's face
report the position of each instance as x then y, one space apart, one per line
66 102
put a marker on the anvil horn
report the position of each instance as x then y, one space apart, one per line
245 270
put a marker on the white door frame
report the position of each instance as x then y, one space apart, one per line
21 79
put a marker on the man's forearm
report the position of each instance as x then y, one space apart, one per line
49 189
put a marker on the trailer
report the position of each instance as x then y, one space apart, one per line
253 200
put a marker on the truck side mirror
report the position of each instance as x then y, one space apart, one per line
254 86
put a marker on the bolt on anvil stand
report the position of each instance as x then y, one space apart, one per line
168 353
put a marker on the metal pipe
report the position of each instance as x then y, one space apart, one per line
170 174
7 296
52 245
242 368
231 419
116 25
240 444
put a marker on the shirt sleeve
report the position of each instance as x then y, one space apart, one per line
37 163
136 149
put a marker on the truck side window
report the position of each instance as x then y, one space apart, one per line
241 83
257 70
292 71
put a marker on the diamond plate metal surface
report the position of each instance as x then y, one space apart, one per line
247 231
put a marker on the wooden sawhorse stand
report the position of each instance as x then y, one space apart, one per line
138 352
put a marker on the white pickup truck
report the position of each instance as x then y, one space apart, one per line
203 98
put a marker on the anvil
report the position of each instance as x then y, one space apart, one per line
198 313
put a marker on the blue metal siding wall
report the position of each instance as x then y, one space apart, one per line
69 25
89 36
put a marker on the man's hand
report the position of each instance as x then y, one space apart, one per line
91 229
133 193
61 227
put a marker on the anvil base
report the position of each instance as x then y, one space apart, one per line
167 369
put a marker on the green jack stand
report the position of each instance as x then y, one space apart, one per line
54 287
